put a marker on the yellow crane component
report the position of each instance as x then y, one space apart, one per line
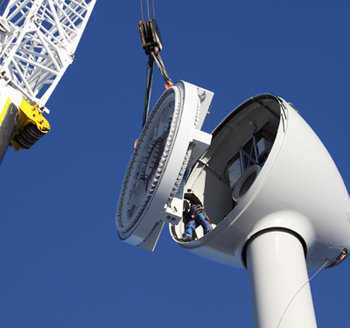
31 127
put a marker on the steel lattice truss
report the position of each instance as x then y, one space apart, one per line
38 39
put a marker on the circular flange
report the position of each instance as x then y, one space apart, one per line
245 182
163 146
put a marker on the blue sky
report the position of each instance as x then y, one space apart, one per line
61 261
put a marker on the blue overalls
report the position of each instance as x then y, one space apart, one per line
198 218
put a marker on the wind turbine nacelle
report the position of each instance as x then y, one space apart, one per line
265 170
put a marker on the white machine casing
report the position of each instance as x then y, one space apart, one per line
235 172
264 147
297 189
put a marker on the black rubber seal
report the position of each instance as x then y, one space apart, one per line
252 238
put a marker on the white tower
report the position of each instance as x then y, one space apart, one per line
268 184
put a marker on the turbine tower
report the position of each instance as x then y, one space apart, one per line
38 40
273 193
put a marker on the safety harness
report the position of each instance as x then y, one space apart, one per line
200 209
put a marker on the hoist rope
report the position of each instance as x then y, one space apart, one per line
154 12
300 290
148 9
141 10
152 46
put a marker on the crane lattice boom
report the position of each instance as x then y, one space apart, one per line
38 39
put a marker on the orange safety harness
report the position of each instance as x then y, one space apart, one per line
201 210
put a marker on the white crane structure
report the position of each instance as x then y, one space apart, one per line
38 40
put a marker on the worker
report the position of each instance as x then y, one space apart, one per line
197 217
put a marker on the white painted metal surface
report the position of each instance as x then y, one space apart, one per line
298 188
235 172
38 42
291 210
278 281
152 190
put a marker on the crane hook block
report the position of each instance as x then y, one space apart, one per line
150 36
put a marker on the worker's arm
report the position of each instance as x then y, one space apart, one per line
192 198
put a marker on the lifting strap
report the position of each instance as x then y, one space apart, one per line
152 44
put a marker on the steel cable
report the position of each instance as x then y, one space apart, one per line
148 9
141 10
299 291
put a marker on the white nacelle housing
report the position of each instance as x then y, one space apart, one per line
266 169
262 169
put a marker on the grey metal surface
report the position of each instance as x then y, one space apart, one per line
7 129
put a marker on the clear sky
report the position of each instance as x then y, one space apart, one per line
61 261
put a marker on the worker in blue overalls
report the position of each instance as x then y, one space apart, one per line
197 217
